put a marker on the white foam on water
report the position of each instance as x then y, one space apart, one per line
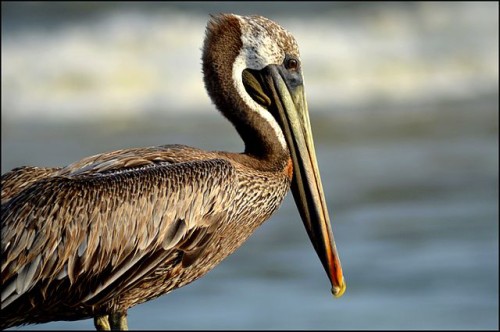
134 63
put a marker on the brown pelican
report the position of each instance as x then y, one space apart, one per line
114 230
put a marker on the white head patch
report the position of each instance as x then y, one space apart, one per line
264 43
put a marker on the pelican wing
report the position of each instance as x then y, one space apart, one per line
110 228
20 178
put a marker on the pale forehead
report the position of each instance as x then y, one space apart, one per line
259 29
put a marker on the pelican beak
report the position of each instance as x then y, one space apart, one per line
284 97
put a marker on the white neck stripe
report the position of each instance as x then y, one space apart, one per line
241 63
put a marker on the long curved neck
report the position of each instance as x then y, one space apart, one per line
220 52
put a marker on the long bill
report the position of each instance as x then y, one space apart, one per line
292 113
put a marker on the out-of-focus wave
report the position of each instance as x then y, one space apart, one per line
130 63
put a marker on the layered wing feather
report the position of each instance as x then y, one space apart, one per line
99 225
20 178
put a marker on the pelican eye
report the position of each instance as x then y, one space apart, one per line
291 64
252 80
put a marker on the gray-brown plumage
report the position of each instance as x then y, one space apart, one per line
110 231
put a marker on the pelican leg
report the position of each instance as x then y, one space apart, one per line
101 323
118 321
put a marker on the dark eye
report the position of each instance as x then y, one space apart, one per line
291 64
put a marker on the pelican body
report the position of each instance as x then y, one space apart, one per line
114 230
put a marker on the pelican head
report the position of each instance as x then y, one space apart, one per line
253 73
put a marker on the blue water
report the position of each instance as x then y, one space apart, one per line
411 183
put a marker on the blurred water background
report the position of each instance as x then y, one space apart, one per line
404 107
